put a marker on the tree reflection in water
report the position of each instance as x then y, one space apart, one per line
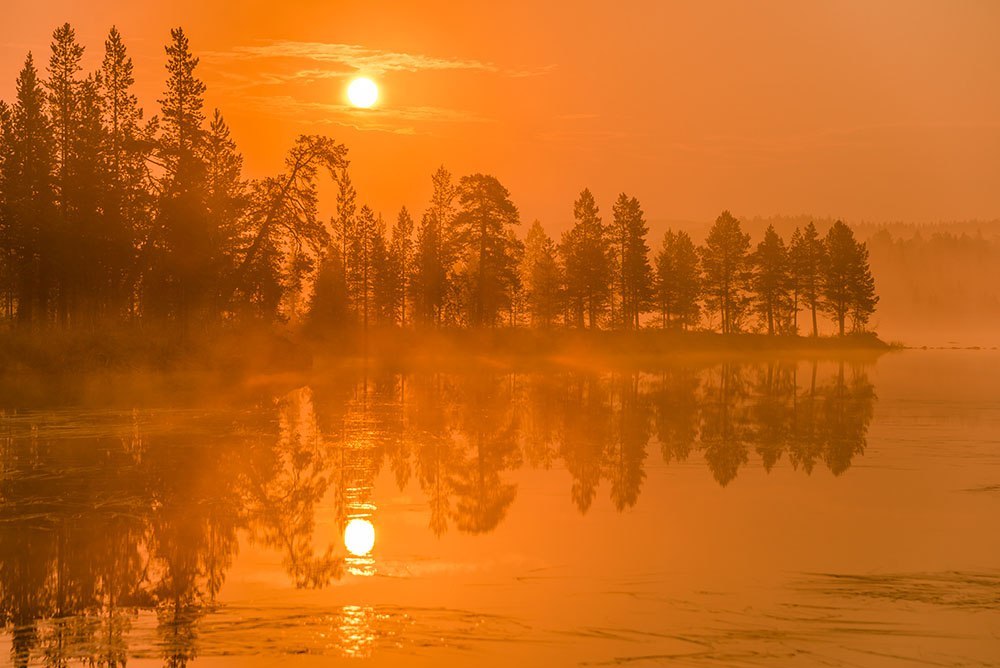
105 516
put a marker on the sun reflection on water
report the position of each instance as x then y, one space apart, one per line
359 537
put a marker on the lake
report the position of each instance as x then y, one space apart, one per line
718 513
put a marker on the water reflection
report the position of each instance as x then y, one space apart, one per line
105 516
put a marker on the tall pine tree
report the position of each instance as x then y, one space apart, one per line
29 199
848 286
807 256
542 278
726 265
489 264
587 263
633 276
772 293
678 281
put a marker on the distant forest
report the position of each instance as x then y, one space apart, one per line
107 216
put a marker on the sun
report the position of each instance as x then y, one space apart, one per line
359 537
362 92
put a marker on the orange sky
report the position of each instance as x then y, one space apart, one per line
860 110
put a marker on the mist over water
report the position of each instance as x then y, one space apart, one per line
716 513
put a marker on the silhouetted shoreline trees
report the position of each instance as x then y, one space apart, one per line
106 217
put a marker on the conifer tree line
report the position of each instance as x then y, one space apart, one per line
107 215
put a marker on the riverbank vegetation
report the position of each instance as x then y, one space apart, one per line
127 236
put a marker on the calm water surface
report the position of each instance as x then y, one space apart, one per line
757 513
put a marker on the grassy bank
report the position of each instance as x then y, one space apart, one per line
263 350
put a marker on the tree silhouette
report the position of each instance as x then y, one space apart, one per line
403 252
362 278
282 217
225 203
489 264
127 200
542 278
329 308
182 242
586 263
29 197
437 246
772 282
632 274
848 286
76 132
344 226
726 267
106 217
678 281
807 256
387 288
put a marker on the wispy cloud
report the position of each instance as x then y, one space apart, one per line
295 65
353 58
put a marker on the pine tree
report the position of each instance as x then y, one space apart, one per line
7 279
542 278
633 276
403 252
863 298
808 257
282 219
678 281
64 101
438 246
345 230
388 283
429 275
772 281
226 198
126 202
489 265
364 267
89 266
848 286
73 105
29 197
444 210
514 297
329 307
182 112
183 253
725 262
587 263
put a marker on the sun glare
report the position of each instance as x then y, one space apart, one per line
359 537
362 92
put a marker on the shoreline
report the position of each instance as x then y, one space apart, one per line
257 350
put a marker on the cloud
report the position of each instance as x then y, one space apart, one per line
353 58
299 64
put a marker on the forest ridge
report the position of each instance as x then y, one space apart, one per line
107 216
